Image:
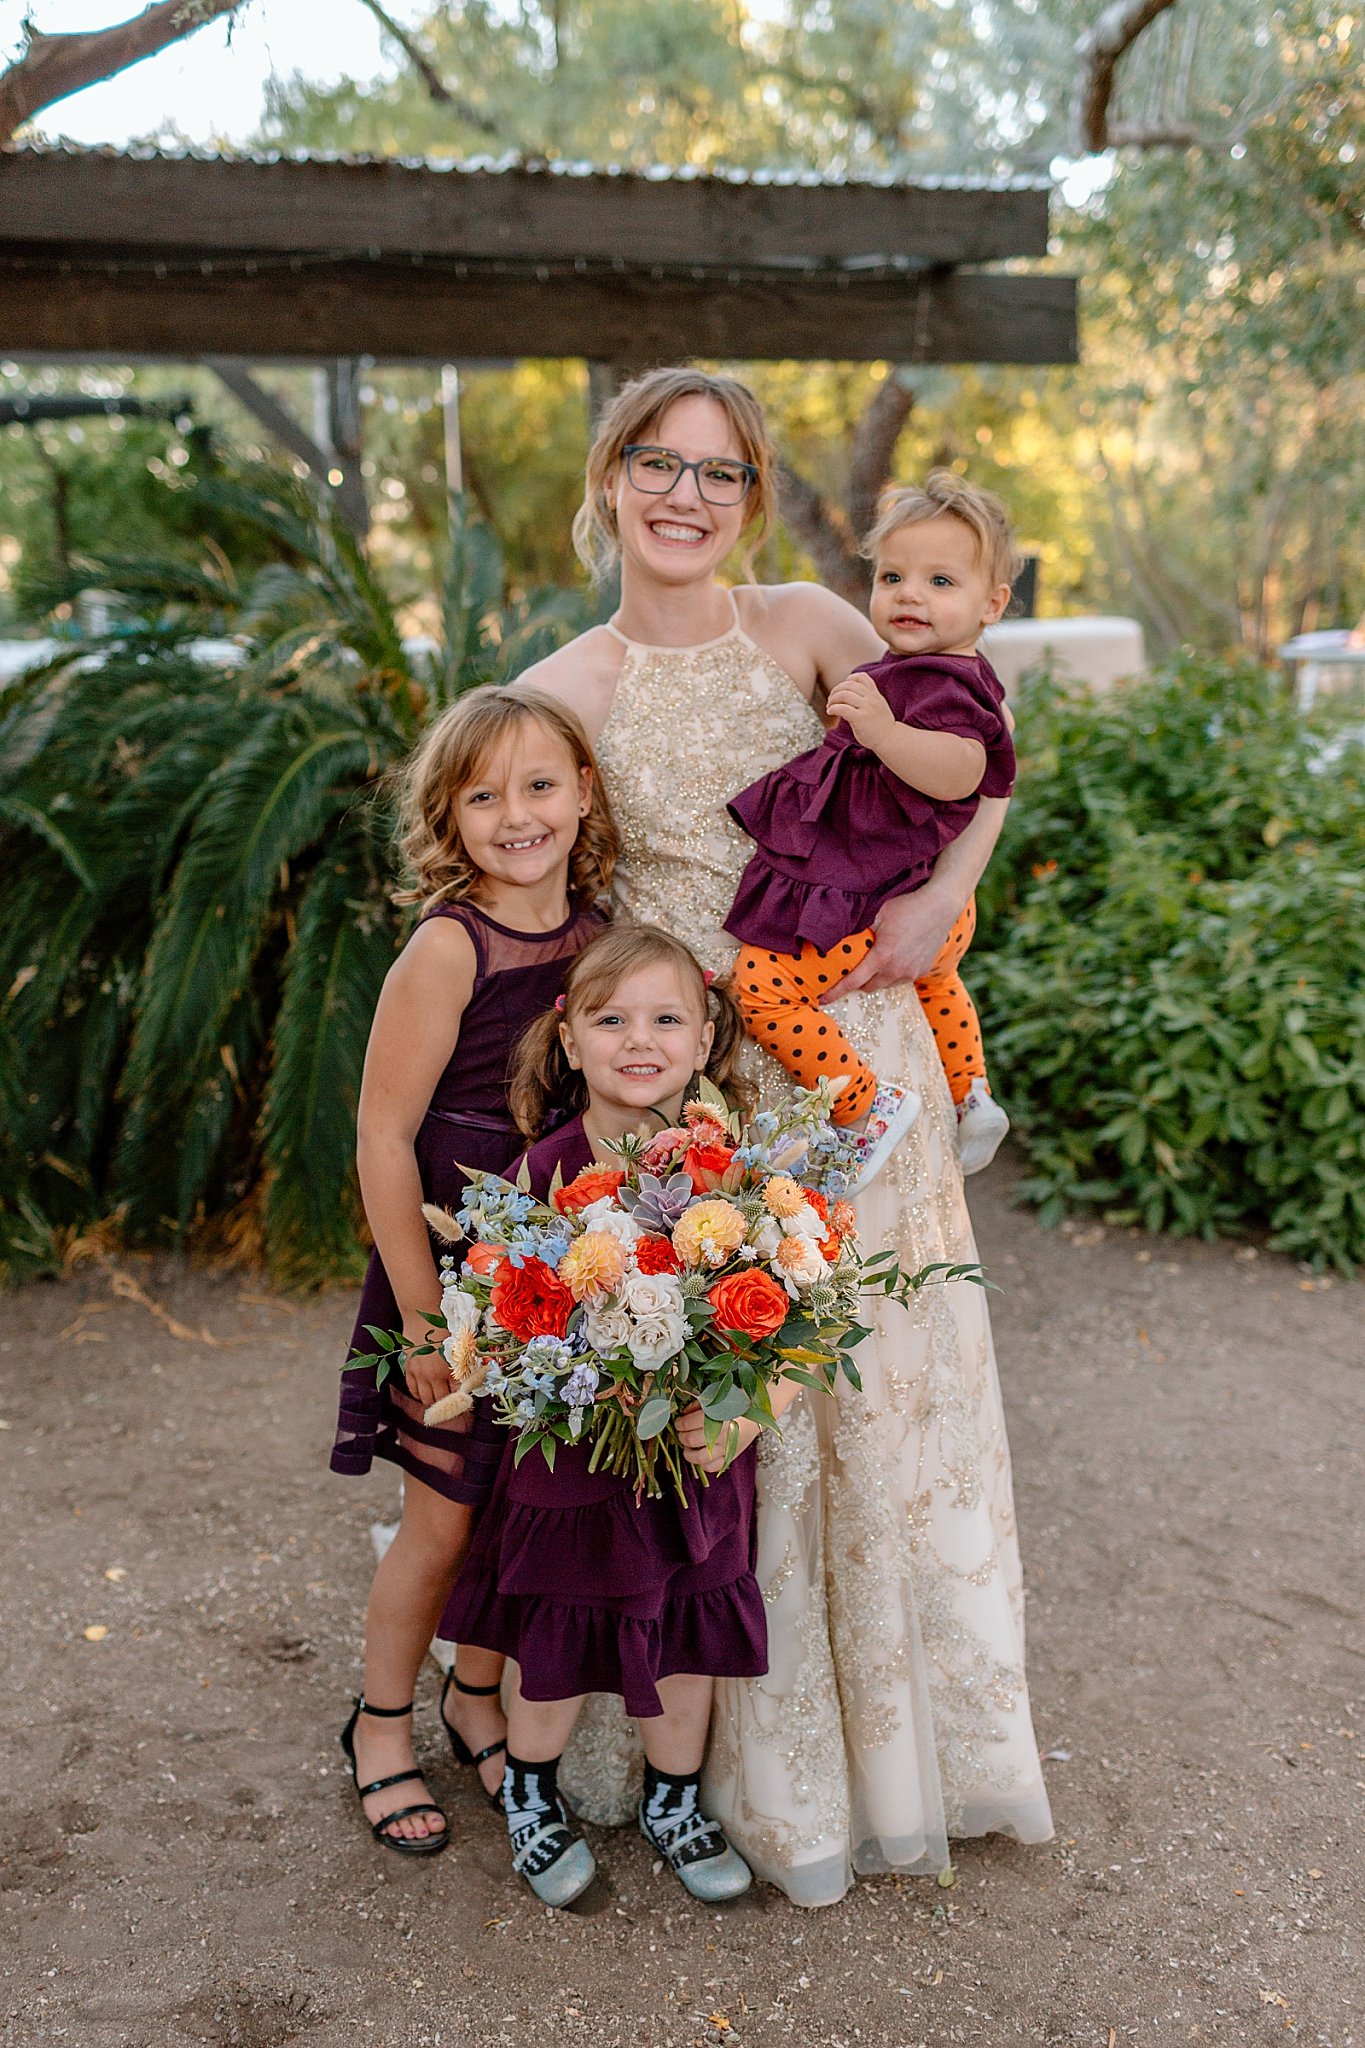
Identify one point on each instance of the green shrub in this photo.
(199, 918)
(1172, 965)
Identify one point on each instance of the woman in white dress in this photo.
(895, 1712)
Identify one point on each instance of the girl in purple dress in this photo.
(511, 845)
(917, 740)
(589, 1588)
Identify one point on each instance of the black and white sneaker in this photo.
(695, 1849)
(547, 1849)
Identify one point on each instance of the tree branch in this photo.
(873, 453)
(422, 65)
(1097, 56)
(825, 534)
(429, 75)
(51, 68)
(1159, 135)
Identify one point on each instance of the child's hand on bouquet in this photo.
(734, 1437)
(425, 1371)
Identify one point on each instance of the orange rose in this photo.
(482, 1258)
(750, 1303)
(705, 1164)
(818, 1203)
(588, 1186)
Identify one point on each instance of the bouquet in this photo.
(708, 1262)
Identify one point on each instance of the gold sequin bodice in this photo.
(689, 728)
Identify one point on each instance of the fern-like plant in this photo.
(199, 863)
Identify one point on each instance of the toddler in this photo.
(919, 738)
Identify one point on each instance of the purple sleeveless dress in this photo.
(591, 1590)
(517, 977)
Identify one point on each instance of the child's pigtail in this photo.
(542, 1079)
(723, 1066)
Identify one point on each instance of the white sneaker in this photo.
(981, 1125)
(892, 1114)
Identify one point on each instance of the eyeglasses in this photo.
(719, 481)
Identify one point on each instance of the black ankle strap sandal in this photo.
(402, 1845)
(462, 1752)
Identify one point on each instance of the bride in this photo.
(895, 1712)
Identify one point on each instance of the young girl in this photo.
(588, 1588)
(511, 844)
(920, 737)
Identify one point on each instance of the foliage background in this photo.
(1171, 957)
(1204, 468)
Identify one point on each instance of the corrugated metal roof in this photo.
(547, 167)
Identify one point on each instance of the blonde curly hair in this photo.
(450, 755)
(942, 491)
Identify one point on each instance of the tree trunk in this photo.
(831, 533)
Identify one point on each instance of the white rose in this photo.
(460, 1310)
(651, 1294)
(805, 1223)
(657, 1338)
(767, 1237)
(603, 1214)
(607, 1329)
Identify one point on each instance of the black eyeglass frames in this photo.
(720, 481)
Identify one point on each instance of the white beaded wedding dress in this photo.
(895, 1713)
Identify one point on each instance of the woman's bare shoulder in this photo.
(594, 657)
(807, 627)
(802, 601)
(583, 675)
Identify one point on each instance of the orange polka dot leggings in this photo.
(779, 995)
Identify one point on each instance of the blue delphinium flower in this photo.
(581, 1385)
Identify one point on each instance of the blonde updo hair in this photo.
(450, 755)
(541, 1078)
(943, 491)
(631, 417)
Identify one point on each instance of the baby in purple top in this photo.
(919, 738)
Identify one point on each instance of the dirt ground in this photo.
(183, 1861)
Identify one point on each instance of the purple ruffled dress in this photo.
(838, 835)
(517, 977)
(591, 1590)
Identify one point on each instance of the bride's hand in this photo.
(911, 932)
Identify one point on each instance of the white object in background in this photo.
(1097, 651)
(1325, 664)
(17, 656)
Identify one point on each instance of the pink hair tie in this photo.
(559, 1004)
(707, 976)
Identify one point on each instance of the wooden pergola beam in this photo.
(154, 203)
(98, 307)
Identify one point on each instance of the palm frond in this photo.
(343, 948)
(28, 817)
(197, 925)
(270, 802)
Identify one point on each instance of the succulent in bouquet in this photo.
(706, 1263)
